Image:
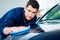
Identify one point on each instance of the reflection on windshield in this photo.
(55, 15)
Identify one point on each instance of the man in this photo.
(19, 18)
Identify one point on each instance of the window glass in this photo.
(53, 14)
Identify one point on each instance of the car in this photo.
(51, 35)
(50, 23)
(51, 20)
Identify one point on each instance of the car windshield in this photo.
(54, 13)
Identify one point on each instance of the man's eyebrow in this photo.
(34, 12)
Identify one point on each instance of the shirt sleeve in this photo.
(7, 20)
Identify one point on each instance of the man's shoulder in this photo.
(18, 8)
(14, 11)
(18, 11)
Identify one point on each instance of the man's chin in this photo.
(28, 19)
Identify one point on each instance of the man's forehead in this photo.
(31, 8)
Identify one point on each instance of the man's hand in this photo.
(7, 30)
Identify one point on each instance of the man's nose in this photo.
(30, 14)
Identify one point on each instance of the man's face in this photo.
(30, 12)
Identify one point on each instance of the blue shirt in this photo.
(15, 17)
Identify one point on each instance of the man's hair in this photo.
(32, 0)
(33, 3)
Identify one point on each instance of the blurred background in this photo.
(6, 5)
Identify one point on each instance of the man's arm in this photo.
(7, 30)
(7, 21)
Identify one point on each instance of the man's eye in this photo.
(34, 12)
(29, 10)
